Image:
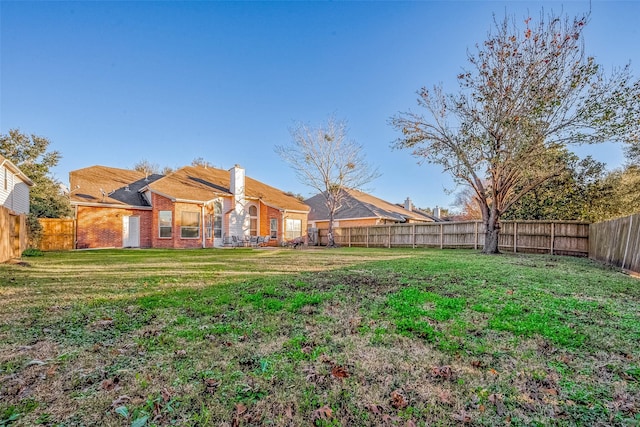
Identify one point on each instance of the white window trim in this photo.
(160, 227)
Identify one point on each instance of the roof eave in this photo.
(110, 205)
(17, 171)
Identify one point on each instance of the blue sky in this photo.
(113, 83)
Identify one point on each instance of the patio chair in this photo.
(235, 241)
(253, 241)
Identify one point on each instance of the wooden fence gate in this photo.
(13, 234)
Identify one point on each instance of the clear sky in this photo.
(113, 83)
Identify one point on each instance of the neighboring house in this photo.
(14, 207)
(362, 209)
(14, 187)
(190, 208)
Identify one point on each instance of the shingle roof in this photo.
(106, 185)
(195, 183)
(198, 183)
(357, 204)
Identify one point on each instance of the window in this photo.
(294, 228)
(165, 221)
(217, 219)
(253, 220)
(208, 225)
(190, 225)
(274, 228)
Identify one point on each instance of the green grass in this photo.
(317, 337)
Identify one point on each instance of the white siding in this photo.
(21, 197)
(16, 196)
(4, 194)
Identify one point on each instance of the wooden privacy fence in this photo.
(13, 234)
(617, 242)
(554, 237)
(58, 234)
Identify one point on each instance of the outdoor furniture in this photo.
(253, 241)
(227, 241)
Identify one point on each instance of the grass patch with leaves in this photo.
(321, 337)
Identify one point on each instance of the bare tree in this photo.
(324, 159)
(200, 161)
(146, 167)
(529, 93)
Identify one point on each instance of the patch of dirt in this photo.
(18, 262)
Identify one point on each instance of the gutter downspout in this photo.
(282, 235)
(204, 243)
(75, 227)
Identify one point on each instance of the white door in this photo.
(131, 231)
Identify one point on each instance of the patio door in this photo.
(130, 231)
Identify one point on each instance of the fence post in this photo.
(475, 244)
(626, 248)
(553, 237)
(389, 237)
(413, 236)
(441, 236)
(367, 239)
(349, 236)
(515, 237)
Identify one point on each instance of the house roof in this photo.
(422, 214)
(109, 186)
(16, 170)
(357, 204)
(198, 183)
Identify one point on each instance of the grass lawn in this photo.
(317, 337)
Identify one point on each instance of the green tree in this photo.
(625, 183)
(528, 94)
(581, 192)
(30, 153)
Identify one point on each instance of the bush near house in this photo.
(320, 337)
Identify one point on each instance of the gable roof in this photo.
(419, 213)
(357, 204)
(197, 183)
(16, 170)
(109, 186)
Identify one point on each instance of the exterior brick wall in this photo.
(101, 227)
(161, 203)
(268, 213)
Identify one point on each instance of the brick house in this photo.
(193, 207)
(360, 209)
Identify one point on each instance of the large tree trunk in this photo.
(331, 241)
(491, 235)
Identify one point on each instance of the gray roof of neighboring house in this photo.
(422, 214)
(357, 204)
